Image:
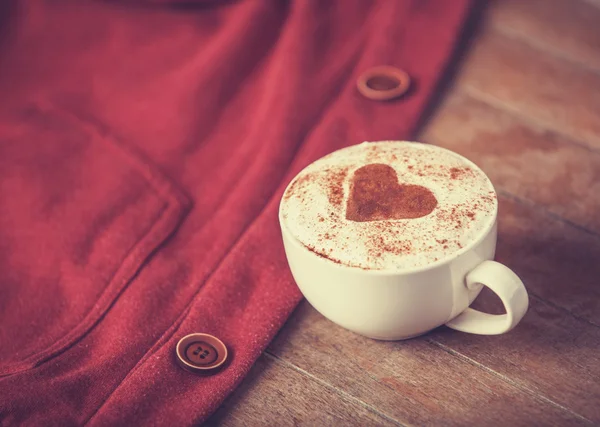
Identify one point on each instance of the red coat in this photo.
(143, 151)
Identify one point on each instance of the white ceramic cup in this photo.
(395, 305)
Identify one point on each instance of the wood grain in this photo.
(414, 381)
(521, 158)
(557, 262)
(275, 394)
(595, 3)
(568, 29)
(549, 353)
(547, 90)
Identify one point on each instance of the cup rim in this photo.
(395, 271)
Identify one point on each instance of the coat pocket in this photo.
(79, 215)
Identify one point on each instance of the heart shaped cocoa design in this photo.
(376, 194)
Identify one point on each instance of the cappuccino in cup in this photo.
(402, 228)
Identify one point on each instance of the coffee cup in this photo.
(392, 260)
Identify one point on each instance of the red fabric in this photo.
(143, 151)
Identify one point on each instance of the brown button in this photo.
(201, 353)
(383, 83)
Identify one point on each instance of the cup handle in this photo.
(504, 283)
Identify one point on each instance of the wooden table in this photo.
(524, 104)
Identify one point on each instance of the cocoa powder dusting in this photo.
(375, 194)
(457, 173)
(335, 186)
(456, 216)
(378, 245)
(290, 192)
(322, 255)
(372, 153)
(489, 198)
(297, 185)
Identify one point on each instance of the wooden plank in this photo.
(276, 394)
(568, 29)
(539, 87)
(557, 262)
(520, 158)
(595, 3)
(414, 381)
(549, 352)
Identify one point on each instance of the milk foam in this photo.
(313, 207)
